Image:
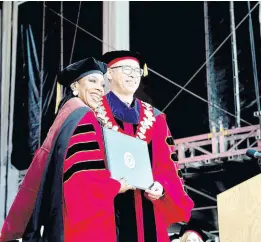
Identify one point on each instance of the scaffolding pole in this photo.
(253, 54)
(59, 87)
(207, 63)
(235, 65)
(41, 77)
(62, 46)
(8, 173)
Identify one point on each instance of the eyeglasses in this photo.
(128, 70)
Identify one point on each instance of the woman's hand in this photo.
(124, 186)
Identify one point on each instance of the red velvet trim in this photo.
(120, 59)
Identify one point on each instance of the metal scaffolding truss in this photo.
(8, 174)
(218, 146)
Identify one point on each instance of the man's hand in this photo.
(124, 186)
(155, 192)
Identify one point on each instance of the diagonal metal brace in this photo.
(201, 193)
(204, 208)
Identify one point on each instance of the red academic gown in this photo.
(89, 191)
(137, 218)
(24, 202)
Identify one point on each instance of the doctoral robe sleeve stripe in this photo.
(84, 166)
(170, 141)
(83, 129)
(174, 157)
(78, 147)
(179, 173)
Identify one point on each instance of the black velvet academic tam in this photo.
(80, 69)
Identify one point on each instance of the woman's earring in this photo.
(75, 93)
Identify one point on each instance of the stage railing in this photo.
(218, 146)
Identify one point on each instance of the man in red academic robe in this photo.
(143, 216)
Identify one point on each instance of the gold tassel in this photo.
(145, 70)
(58, 96)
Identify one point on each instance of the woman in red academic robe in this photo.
(67, 189)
